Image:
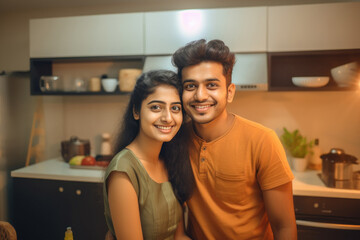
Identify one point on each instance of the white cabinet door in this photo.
(242, 29)
(97, 35)
(314, 27)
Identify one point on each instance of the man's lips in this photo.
(202, 107)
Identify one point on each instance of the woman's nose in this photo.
(166, 116)
(201, 94)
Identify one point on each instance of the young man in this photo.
(243, 181)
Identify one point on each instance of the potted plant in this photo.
(298, 147)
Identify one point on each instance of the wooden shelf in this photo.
(282, 66)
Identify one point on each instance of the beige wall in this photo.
(316, 114)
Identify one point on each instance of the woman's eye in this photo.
(176, 108)
(155, 107)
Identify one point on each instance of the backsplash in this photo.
(333, 117)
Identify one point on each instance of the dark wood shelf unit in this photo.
(44, 67)
(282, 66)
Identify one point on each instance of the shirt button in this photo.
(202, 159)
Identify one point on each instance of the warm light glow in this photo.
(190, 21)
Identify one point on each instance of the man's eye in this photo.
(212, 85)
(176, 108)
(189, 86)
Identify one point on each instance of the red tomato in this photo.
(88, 161)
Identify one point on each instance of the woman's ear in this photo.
(135, 114)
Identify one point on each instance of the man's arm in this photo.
(280, 209)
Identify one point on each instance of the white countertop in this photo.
(308, 183)
(58, 169)
(305, 183)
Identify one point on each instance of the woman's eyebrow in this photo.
(161, 102)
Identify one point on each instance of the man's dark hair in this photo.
(199, 51)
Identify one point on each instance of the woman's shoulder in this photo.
(123, 160)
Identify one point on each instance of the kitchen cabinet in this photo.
(97, 35)
(70, 68)
(242, 29)
(314, 27)
(282, 66)
(43, 209)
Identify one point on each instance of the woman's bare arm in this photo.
(124, 207)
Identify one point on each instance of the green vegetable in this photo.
(296, 144)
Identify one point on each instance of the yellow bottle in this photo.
(68, 234)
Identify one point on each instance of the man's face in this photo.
(205, 93)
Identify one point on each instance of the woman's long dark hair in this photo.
(174, 153)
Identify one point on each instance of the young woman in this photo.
(150, 177)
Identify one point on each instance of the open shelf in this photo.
(68, 68)
(282, 66)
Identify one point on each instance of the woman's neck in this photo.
(146, 149)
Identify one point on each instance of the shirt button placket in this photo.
(202, 159)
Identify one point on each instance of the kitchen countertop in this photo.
(308, 183)
(58, 169)
(305, 183)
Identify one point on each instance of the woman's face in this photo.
(160, 114)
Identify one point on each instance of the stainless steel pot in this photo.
(73, 147)
(337, 165)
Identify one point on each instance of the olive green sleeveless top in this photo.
(160, 212)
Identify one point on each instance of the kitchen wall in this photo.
(333, 117)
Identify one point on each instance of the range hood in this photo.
(249, 73)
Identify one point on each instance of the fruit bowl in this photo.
(310, 81)
(346, 75)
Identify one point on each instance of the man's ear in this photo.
(135, 114)
(231, 92)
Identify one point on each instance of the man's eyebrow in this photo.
(207, 80)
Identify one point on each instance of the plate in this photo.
(310, 81)
(87, 167)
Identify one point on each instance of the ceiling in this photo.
(35, 5)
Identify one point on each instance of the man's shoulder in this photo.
(244, 124)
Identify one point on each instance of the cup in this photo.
(95, 85)
(80, 85)
(49, 83)
(109, 84)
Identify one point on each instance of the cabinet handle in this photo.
(61, 189)
(328, 225)
(78, 192)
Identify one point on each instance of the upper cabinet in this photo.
(314, 27)
(242, 29)
(97, 35)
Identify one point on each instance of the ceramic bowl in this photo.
(346, 75)
(109, 84)
(310, 81)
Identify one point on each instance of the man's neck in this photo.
(216, 128)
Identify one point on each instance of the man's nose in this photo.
(201, 94)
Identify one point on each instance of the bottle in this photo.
(105, 145)
(315, 160)
(68, 234)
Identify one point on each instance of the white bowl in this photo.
(346, 75)
(310, 81)
(109, 84)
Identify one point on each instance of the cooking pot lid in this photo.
(339, 155)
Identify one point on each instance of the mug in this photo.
(49, 83)
(109, 84)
